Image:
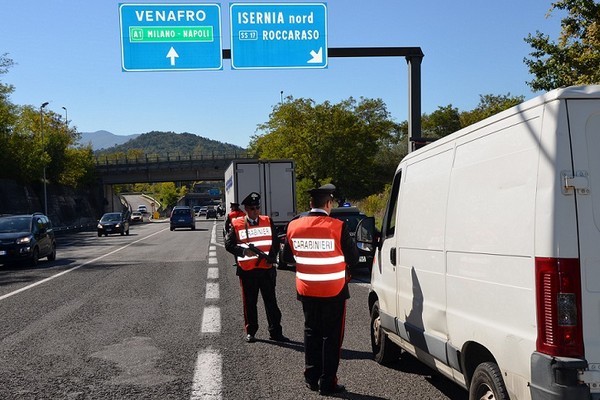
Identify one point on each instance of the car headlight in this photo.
(117, 225)
(100, 226)
(24, 240)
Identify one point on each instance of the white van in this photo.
(488, 266)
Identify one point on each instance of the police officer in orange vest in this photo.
(233, 214)
(323, 250)
(254, 242)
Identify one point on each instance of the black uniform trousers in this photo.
(324, 323)
(252, 282)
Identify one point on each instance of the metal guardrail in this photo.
(63, 230)
(168, 157)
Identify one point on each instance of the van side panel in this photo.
(584, 121)
(421, 266)
(556, 219)
(490, 242)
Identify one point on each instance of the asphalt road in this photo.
(157, 315)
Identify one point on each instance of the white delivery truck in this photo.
(275, 180)
(488, 265)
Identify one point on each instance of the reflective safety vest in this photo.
(236, 213)
(259, 235)
(316, 244)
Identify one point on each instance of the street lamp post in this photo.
(66, 117)
(43, 160)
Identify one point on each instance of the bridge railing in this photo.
(116, 159)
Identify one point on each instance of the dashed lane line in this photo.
(208, 375)
(211, 319)
(212, 291)
(213, 273)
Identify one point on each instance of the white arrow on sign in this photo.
(317, 57)
(172, 54)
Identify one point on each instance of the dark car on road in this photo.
(113, 222)
(182, 217)
(26, 238)
(352, 216)
(211, 212)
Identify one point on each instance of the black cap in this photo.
(253, 199)
(324, 190)
(234, 204)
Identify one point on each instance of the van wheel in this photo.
(487, 383)
(385, 351)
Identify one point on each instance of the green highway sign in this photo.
(278, 35)
(176, 34)
(170, 37)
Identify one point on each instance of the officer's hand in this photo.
(249, 253)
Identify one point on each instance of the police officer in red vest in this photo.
(233, 214)
(254, 242)
(323, 250)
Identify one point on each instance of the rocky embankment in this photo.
(67, 208)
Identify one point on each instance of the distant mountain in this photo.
(103, 139)
(173, 143)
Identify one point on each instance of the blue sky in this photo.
(68, 52)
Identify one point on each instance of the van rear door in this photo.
(584, 128)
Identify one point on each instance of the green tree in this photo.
(328, 142)
(8, 119)
(79, 167)
(575, 58)
(38, 143)
(168, 194)
(488, 105)
(27, 157)
(441, 122)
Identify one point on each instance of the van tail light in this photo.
(558, 295)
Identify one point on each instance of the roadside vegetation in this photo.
(32, 138)
(354, 144)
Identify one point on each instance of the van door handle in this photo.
(393, 256)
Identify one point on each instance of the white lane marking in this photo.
(212, 250)
(213, 234)
(211, 320)
(212, 290)
(208, 376)
(212, 273)
(77, 267)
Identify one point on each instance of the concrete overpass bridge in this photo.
(170, 167)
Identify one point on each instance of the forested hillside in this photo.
(173, 143)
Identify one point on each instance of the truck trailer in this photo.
(275, 180)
